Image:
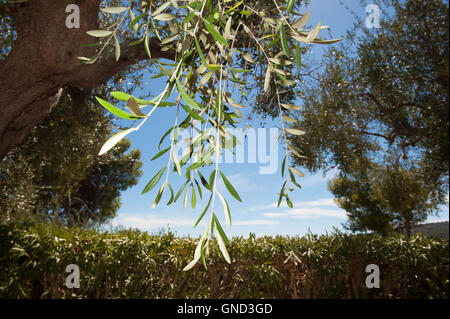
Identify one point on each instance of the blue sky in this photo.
(314, 209)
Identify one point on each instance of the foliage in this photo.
(382, 199)
(55, 174)
(131, 264)
(219, 47)
(382, 101)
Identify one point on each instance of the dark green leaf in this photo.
(230, 187)
(154, 180)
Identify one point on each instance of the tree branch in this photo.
(94, 75)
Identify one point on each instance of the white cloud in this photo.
(323, 207)
(256, 222)
(145, 222)
(317, 203)
(435, 220)
(307, 213)
(153, 222)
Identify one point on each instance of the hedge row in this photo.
(133, 264)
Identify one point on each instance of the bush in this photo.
(133, 264)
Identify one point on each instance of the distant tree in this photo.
(215, 48)
(383, 199)
(56, 174)
(383, 95)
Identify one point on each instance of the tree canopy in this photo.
(379, 103)
(56, 175)
(215, 49)
(383, 198)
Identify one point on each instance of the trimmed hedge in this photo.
(133, 264)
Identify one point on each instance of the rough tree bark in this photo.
(43, 60)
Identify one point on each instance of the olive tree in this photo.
(213, 48)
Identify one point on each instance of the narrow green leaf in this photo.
(223, 247)
(114, 10)
(204, 182)
(117, 47)
(214, 32)
(155, 179)
(164, 136)
(220, 229)
(171, 196)
(160, 9)
(289, 6)
(99, 33)
(185, 197)
(281, 194)
(176, 162)
(302, 21)
(219, 109)
(197, 253)
(205, 79)
(234, 7)
(314, 33)
(160, 153)
(134, 21)
(287, 82)
(267, 78)
(291, 107)
(272, 43)
(199, 189)
(113, 140)
(248, 57)
(187, 98)
(164, 17)
(300, 174)
(288, 119)
(295, 132)
(298, 56)
(318, 41)
(160, 193)
(169, 39)
(280, 61)
(226, 209)
(240, 70)
(155, 29)
(193, 197)
(192, 113)
(180, 191)
(200, 53)
(211, 179)
(230, 187)
(203, 212)
(284, 43)
(116, 111)
(293, 150)
(147, 45)
(227, 33)
(288, 201)
(125, 97)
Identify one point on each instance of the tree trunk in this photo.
(43, 60)
(408, 228)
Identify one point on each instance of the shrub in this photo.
(134, 264)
